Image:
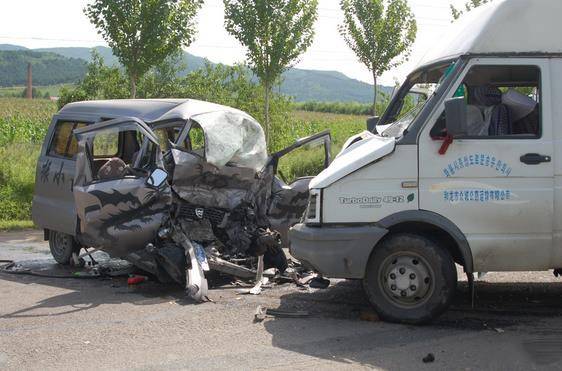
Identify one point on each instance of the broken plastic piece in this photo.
(201, 257)
(262, 312)
(196, 284)
(305, 280)
(271, 272)
(256, 290)
(319, 283)
(136, 279)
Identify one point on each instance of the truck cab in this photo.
(471, 175)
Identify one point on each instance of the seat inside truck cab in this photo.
(502, 101)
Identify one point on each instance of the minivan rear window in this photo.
(64, 144)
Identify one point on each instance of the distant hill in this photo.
(326, 86)
(12, 47)
(303, 85)
(48, 68)
(191, 61)
(83, 53)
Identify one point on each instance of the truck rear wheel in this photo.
(62, 246)
(410, 279)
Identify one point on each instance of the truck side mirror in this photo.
(455, 117)
(372, 123)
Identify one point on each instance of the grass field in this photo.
(23, 125)
(16, 91)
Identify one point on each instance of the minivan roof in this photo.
(148, 110)
(503, 27)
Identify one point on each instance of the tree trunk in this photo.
(133, 85)
(267, 128)
(375, 94)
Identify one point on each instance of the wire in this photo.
(28, 272)
(47, 39)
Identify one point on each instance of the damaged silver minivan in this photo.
(176, 187)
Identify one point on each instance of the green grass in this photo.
(17, 180)
(16, 91)
(15, 225)
(310, 161)
(23, 125)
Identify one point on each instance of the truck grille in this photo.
(188, 211)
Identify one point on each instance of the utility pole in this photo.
(29, 82)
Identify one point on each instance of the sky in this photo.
(55, 23)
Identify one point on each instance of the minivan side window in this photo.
(503, 101)
(64, 144)
(106, 145)
(197, 139)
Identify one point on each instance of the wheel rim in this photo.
(61, 245)
(406, 279)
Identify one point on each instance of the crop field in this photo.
(17, 91)
(23, 125)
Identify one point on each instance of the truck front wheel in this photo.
(62, 246)
(410, 279)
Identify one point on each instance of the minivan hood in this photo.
(367, 148)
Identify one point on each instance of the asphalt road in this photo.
(48, 323)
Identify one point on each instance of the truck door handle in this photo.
(534, 159)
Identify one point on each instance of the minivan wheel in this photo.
(410, 279)
(62, 246)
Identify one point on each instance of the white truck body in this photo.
(493, 201)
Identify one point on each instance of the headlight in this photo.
(312, 214)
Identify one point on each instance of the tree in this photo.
(380, 38)
(456, 13)
(275, 33)
(143, 33)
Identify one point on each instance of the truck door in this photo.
(120, 190)
(496, 183)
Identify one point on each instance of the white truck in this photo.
(472, 175)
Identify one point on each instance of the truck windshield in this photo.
(418, 89)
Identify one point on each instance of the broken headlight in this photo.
(312, 214)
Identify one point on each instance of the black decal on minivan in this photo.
(59, 175)
(45, 169)
(115, 198)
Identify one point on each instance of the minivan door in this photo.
(121, 191)
(54, 178)
(289, 194)
(496, 183)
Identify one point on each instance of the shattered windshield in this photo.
(413, 96)
(233, 138)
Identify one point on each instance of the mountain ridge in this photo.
(302, 84)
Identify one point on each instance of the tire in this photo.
(410, 279)
(62, 246)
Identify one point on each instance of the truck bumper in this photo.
(337, 252)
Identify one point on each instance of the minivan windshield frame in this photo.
(390, 124)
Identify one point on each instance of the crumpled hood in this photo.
(367, 148)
